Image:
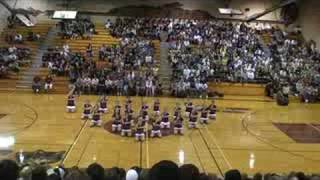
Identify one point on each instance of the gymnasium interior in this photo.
(159, 90)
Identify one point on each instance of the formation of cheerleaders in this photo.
(89, 111)
(127, 125)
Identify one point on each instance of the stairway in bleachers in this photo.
(165, 71)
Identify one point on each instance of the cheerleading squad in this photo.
(128, 125)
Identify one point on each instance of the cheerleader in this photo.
(212, 111)
(193, 119)
(189, 108)
(144, 112)
(116, 122)
(129, 114)
(140, 131)
(156, 107)
(87, 110)
(165, 123)
(155, 131)
(117, 108)
(204, 116)
(71, 104)
(103, 104)
(126, 127)
(178, 125)
(96, 119)
(177, 111)
(128, 102)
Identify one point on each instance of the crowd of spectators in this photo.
(131, 69)
(203, 50)
(296, 64)
(75, 29)
(12, 57)
(10, 170)
(18, 38)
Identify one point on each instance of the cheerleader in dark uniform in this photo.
(103, 104)
(116, 122)
(156, 129)
(156, 107)
(212, 111)
(189, 108)
(177, 111)
(193, 118)
(87, 110)
(165, 123)
(144, 112)
(71, 103)
(178, 125)
(128, 102)
(140, 131)
(129, 113)
(204, 116)
(117, 108)
(96, 119)
(126, 127)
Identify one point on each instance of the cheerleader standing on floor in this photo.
(116, 122)
(193, 119)
(189, 108)
(156, 107)
(140, 131)
(178, 125)
(87, 110)
(165, 123)
(156, 129)
(212, 111)
(103, 108)
(71, 104)
(96, 119)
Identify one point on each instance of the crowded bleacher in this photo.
(11, 58)
(229, 51)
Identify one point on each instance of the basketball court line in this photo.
(267, 142)
(218, 147)
(68, 152)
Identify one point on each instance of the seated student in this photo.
(71, 103)
(156, 107)
(96, 119)
(36, 84)
(103, 104)
(89, 50)
(140, 131)
(189, 108)
(165, 123)
(155, 131)
(48, 83)
(178, 125)
(204, 116)
(126, 127)
(116, 122)
(193, 119)
(86, 110)
(212, 110)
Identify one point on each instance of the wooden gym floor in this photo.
(261, 137)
